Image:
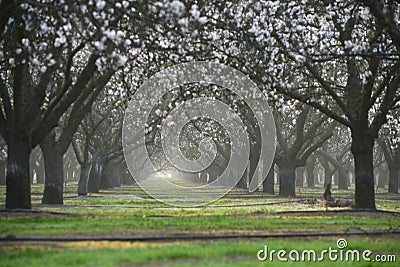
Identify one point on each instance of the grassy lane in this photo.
(196, 254)
(112, 224)
(128, 212)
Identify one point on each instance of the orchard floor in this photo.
(124, 227)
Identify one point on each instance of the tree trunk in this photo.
(106, 178)
(383, 175)
(18, 190)
(2, 172)
(310, 175)
(268, 183)
(394, 178)
(53, 169)
(343, 179)
(95, 175)
(328, 172)
(287, 178)
(253, 160)
(362, 150)
(83, 180)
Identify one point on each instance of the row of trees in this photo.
(323, 61)
(306, 143)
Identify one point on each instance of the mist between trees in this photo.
(329, 69)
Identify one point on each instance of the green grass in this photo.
(194, 254)
(269, 224)
(119, 214)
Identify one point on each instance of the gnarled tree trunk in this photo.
(83, 179)
(362, 150)
(287, 178)
(310, 178)
(18, 191)
(95, 175)
(54, 170)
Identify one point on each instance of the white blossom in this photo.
(177, 7)
(203, 20)
(122, 60)
(128, 42)
(100, 5)
(43, 27)
(25, 42)
(59, 41)
(99, 45)
(194, 11)
(300, 58)
(110, 34)
(348, 44)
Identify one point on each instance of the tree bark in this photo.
(83, 180)
(18, 190)
(394, 178)
(310, 173)
(95, 175)
(362, 150)
(287, 178)
(54, 170)
(268, 183)
(2, 172)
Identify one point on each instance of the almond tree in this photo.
(55, 57)
(41, 79)
(332, 55)
(299, 134)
